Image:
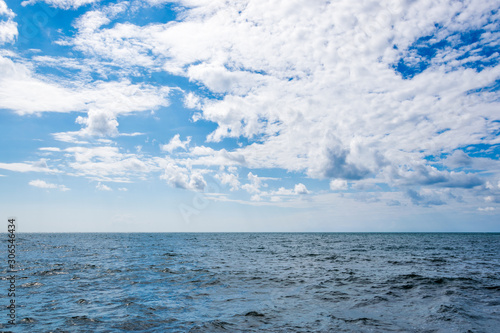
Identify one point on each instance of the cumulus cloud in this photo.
(422, 174)
(334, 164)
(460, 160)
(8, 28)
(254, 184)
(182, 177)
(338, 185)
(387, 92)
(103, 102)
(300, 189)
(229, 179)
(102, 187)
(424, 198)
(99, 123)
(332, 88)
(8, 31)
(176, 143)
(108, 164)
(4, 10)
(192, 101)
(256, 197)
(42, 184)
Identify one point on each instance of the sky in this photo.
(246, 115)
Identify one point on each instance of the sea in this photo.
(255, 282)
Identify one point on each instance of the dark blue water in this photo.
(251, 282)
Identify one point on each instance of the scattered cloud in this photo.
(62, 4)
(102, 187)
(192, 101)
(39, 166)
(338, 185)
(256, 197)
(254, 185)
(8, 27)
(230, 179)
(102, 102)
(42, 184)
(52, 149)
(176, 143)
(366, 97)
(104, 163)
(300, 189)
(424, 198)
(182, 177)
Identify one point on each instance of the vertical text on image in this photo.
(11, 263)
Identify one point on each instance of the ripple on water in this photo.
(260, 283)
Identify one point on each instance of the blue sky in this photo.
(203, 115)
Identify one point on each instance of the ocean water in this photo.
(257, 282)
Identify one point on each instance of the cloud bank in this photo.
(400, 95)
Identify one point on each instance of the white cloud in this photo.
(276, 199)
(176, 143)
(197, 182)
(52, 149)
(132, 134)
(108, 164)
(45, 96)
(63, 4)
(39, 166)
(5, 11)
(157, 2)
(23, 93)
(8, 31)
(70, 137)
(256, 197)
(300, 189)
(313, 86)
(229, 179)
(42, 184)
(192, 101)
(489, 186)
(99, 123)
(339, 107)
(103, 102)
(486, 209)
(310, 97)
(102, 187)
(338, 185)
(181, 177)
(123, 189)
(8, 28)
(254, 185)
(425, 198)
(92, 20)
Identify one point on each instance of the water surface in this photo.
(258, 282)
